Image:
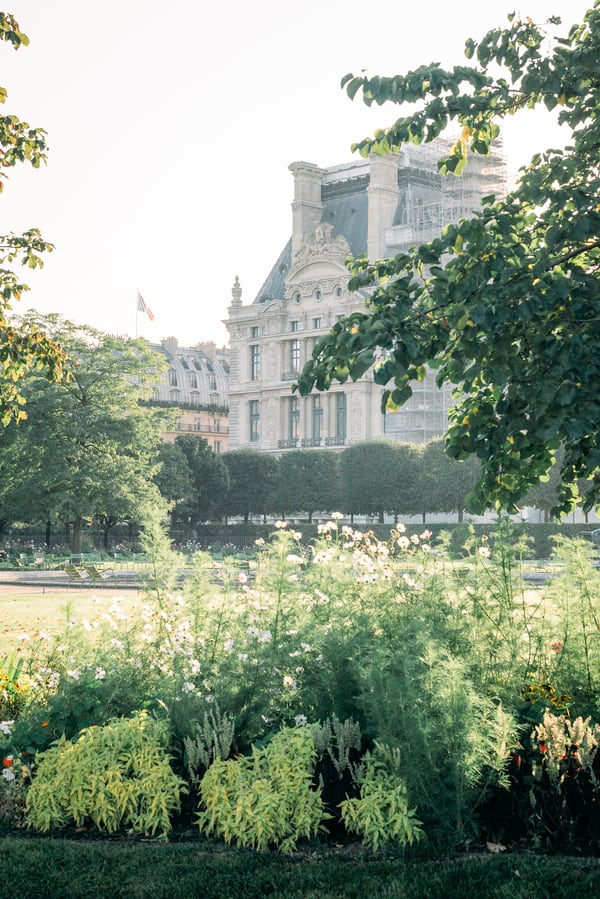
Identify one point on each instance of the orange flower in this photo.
(7, 761)
(44, 724)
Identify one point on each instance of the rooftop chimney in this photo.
(306, 206)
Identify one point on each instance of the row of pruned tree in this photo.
(372, 478)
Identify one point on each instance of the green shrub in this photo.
(115, 776)
(266, 799)
(381, 814)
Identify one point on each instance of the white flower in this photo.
(228, 645)
(100, 674)
(6, 727)
(74, 674)
(8, 774)
(484, 551)
(194, 666)
(243, 656)
(265, 637)
(188, 687)
(289, 682)
(280, 524)
(337, 516)
(300, 720)
(117, 644)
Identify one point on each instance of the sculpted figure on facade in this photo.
(321, 243)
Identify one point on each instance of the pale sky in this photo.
(171, 127)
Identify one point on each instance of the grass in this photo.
(63, 869)
(47, 610)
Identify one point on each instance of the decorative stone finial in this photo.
(236, 293)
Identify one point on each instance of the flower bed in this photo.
(420, 684)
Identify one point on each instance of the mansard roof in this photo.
(197, 376)
(426, 201)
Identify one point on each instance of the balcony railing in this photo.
(335, 441)
(200, 429)
(291, 443)
(289, 375)
(311, 441)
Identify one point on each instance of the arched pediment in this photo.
(321, 256)
(316, 269)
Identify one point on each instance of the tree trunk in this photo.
(48, 532)
(461, 515)
(76, 542)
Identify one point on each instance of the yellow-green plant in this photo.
(264, 799)
(115, 776)
(381, 814)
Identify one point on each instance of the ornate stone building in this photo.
(197, 385)
(377, 206)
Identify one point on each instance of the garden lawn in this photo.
(62, 869)
(47, 610)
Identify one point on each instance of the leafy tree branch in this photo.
(504, 305)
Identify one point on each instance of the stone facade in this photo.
(377, 206)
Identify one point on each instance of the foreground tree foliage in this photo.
(22, 347)
(88, 447)
(505, 304)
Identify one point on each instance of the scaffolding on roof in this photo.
(431, 201)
